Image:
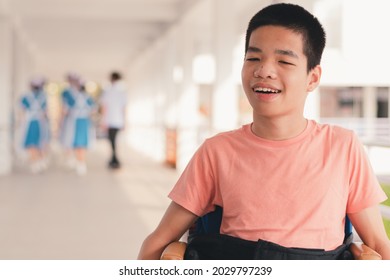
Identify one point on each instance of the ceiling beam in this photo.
(99, 9)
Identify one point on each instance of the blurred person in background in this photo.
(66, 124)
(81, 130)
(35, 124)
(113, 104)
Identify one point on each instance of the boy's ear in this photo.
(314, 78)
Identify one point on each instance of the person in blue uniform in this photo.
(36, 125)
(83, 131)
(66, 124)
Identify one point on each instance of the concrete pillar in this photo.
(173, 77)
(22, 65)
(225, 108)
(388, 103)
(369, 102)
(187, 99)
(5, 94)
(369, 111)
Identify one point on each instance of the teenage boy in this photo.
(283, 181)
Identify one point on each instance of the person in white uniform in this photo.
(113, 103)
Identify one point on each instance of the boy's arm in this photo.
(173, 225)
(369, 226)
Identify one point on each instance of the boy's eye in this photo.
(252, 59)
(285, 62)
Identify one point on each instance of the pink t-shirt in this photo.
(293, 192)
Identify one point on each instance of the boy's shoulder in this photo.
(228, 137)
(336, 133)
(333, 128)
(237, 132)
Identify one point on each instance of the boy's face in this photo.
(274, 74)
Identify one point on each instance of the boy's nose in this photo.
(265, 70)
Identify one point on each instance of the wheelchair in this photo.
(210, 224)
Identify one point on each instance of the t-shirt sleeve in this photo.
(365, 190)
(196, 188)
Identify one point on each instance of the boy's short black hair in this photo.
(297, 19)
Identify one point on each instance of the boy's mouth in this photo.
(264, 90)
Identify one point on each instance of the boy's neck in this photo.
(279, 129)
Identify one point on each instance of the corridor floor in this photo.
(103, 215)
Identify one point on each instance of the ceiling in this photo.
(91, 37)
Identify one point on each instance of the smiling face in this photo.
(274, 75)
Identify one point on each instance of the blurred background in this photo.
(181, 63)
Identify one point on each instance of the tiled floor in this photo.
(101, 215)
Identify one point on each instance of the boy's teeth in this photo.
(259, 89)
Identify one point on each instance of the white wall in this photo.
(5, 93)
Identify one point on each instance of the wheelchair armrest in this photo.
(363, 252)
(174, 251)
